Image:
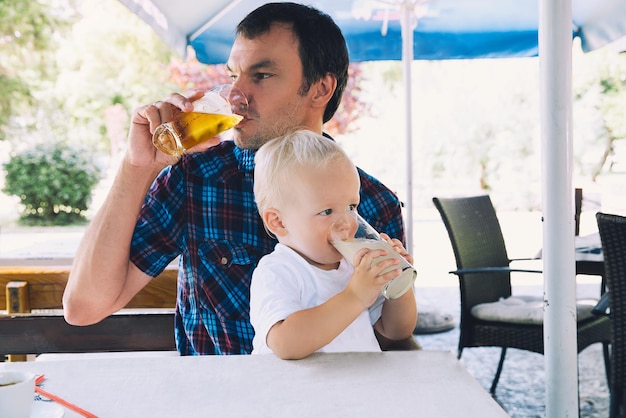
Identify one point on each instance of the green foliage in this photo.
(71, 60)
(53, 182)
(13, 91)
(28, 35)
(111, 57)
(599, 103)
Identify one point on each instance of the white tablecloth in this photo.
(389, 384)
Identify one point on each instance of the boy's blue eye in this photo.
(326, 212)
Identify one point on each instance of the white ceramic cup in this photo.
(353, 233)
(17, 390)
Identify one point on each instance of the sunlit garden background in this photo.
(72, 72)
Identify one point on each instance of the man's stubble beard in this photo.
(287, 121)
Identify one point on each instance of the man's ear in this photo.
(273, 222)
(323, 90)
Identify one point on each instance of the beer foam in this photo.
(212, 103)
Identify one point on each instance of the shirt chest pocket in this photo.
(225, 254)
(225, 272)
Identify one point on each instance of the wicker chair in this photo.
(612, 230)
(483, 268)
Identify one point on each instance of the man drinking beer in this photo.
(291, 62)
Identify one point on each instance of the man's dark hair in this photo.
(322, 47)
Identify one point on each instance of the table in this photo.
(590, 260)
(408, 383)
(589, 257)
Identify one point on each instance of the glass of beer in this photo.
(219, 110)
(352, 233)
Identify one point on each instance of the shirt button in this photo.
(224, 261)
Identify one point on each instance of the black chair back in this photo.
(612, 230)
(477, 241)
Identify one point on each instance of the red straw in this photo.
(61, 401)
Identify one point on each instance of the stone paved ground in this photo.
(521, 389)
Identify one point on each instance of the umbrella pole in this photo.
(408, 23)
(560, 344)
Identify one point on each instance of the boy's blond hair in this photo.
(277, 161)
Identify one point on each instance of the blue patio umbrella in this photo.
(455, 29)
(446, 29)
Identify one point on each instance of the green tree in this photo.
(65, 62)
(71, 72)
(111, 59)
(27, 40)
(600, 100)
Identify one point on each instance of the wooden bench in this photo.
(31, 316)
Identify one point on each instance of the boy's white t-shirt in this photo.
(284, 283)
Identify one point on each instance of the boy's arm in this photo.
(308, 330)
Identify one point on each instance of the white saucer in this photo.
(43, 409)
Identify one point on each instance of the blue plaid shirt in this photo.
(203, 209)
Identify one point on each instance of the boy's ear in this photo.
(273, 222)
